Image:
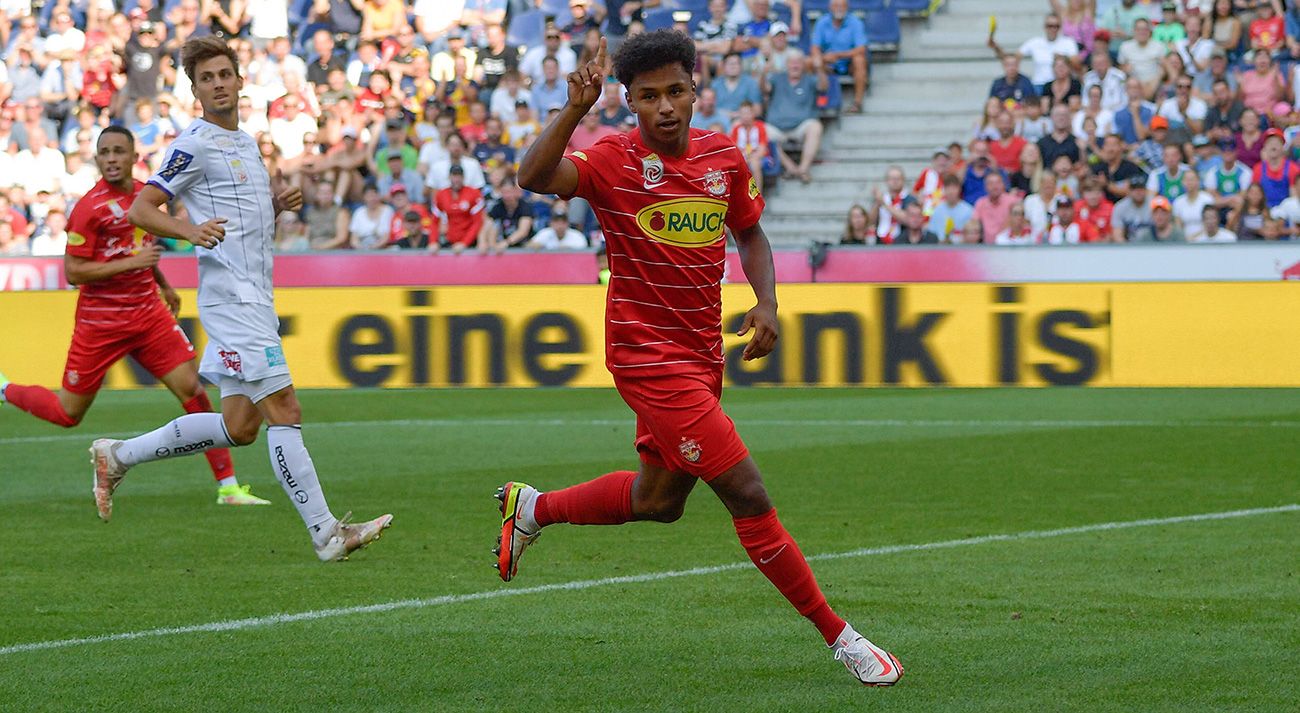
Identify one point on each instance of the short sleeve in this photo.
(745, 204)
(859, 32)
(83, 232)
(182, 168)
(598, 164)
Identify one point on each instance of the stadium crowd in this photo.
(1135, 122)
(401, 121)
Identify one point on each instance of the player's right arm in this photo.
(544, 168)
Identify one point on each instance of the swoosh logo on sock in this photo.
(765, 560)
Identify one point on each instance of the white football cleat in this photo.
(870, 664)
(109, 472)
(348, 538)
(516, 498)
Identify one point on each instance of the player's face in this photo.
(661, 100)
(114, 157)
(217, 85)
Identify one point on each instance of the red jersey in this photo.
(1099, 217)
(663, 219)
(98, 230)
(395, 229)
(1269, 34)
(462, 211)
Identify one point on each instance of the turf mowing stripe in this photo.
(782, 423)
(274, 619)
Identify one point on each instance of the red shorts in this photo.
(153, 338)
(680, 424)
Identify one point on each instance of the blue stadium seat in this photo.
(299, 10)
(527, 29)
(883, 31)
(911, 8)
(866, 7)
(783, 13)
(554, 7)
(817, 6)
(658, 19)
(302, 40)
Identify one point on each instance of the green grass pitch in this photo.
(1199, 615)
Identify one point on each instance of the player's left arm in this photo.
(756, 259)
(169, 295)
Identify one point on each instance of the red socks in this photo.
(218, 458)
(607, 500)
(777, 556)
(39, 402)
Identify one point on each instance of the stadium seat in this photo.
(783, 13)
(302, 40)
(912, 8)
(527, 29)
(883, 31)
(818, 6)
(298, 12)
(866, 7)
(658, 19)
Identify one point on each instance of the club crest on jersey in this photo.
(715, 182)
(652, 170)
(73, 378)
(684, 222)
(231, 360)
(690, 450)
(177, 162)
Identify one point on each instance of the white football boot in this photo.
(348, 537)
(109, 472)
(868, 663)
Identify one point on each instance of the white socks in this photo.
(297, 475)
(227, 481)
(847, 636)
(187, 435)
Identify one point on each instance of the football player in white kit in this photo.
(215, 170)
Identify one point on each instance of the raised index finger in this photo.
(602, 60)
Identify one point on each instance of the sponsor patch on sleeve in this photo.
(177, 162)
(579, 154)
(753, 188)
(76, 240)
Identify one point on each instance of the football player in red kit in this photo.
(119, 312)
(663, 194)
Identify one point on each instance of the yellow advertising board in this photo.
(1169, 334)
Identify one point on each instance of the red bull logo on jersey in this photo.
(684, 222)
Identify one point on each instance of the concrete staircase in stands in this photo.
(928, 96)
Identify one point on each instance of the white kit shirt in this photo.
(219, 174)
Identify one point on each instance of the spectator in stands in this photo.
(912, 229)
(443, 65)
(1067, 228)
(1140, 57)
(839, 43)
(1078, 22)
(1033, 126)
(397, 173)
(413, 235)
(951, 214)
(1064, 87)
(1114, 169)
(985, 128)
(1164, 229)
(1210, 231)
(857, 227)
(436, 19)
(1169, 179)
(1250, 140)
(383, 19)
(552, 46)
(471, 172)
(750, 135)
(1019, 231)
(1223, 118)
(1094, 208)
(1247, 219)
(393, 141)
(510, 219)
(732, 88)
(508, 94)
(1039, 202)
(1043, 50)
(1169, 31)
(288, 131)
(714, 37)
(1029, 170)
(792, 113)
(1288, 211)
(928, 187)
(458, 210)
(1119, 19)
(887, 204)
(1103, 121)
(479, 14)
(492, 152)
(1111, 79)
(1013, 86)
(589, 131)
(1275, 172)
(976, 170)
(11, 243)
(552, 92)
(1228, 179)
(524, 127)
(1184, 108)
(38, 167)
(327, 221)
(612, 111)
(496, 60)
(1133, 120)
(558, 235)
(399, 199)
(706, 115)
(1267, 30)
(1131, 221)
(1188, 205)
(1263, 85)
(1005, 149)
(775, 55)
(372, 222)
(52, 238)
(1203, 83)
(994, 209)
(1061, 141)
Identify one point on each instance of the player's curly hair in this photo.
(649, 51)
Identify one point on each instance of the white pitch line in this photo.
(275, 619)
(744, 422)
